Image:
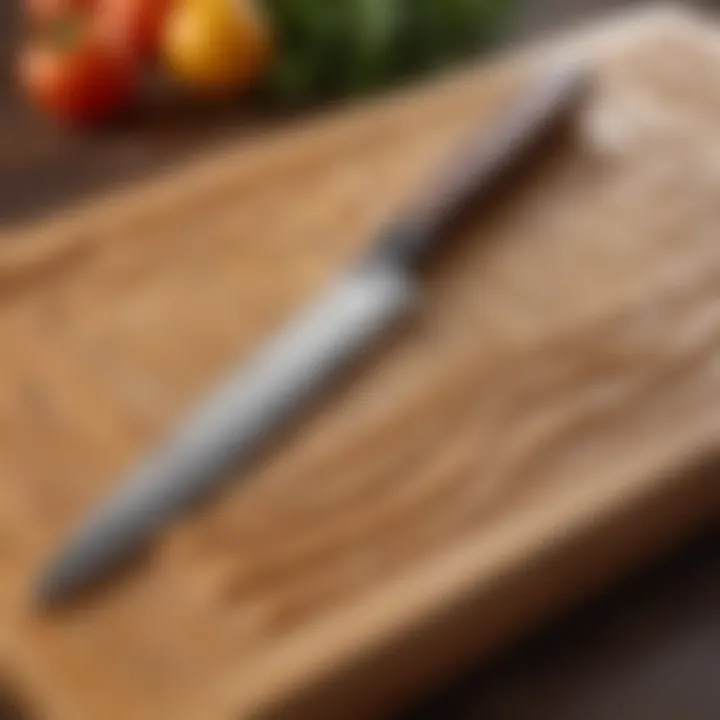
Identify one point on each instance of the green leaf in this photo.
(331, 48)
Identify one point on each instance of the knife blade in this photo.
(245, 411)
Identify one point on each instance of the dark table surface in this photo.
(649, 649)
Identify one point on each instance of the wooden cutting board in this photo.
(549, 419)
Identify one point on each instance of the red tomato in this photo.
(135, 26)
(74, 76)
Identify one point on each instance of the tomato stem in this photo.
(63, 33)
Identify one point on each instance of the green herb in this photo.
(332, 48)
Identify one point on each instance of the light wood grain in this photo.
(527, 438)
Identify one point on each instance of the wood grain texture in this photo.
(519, 444)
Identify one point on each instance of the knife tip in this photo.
(56, 584)
(85, 564)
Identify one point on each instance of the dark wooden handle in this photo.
(483, 164)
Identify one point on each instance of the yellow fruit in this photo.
(217, 45)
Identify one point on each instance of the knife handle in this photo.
(484, 164)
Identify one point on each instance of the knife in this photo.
(247, 409)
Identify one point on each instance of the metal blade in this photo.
(234, 423)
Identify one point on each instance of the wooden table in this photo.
(648, 649)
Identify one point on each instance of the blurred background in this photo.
(42, 167)
(649, 649)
